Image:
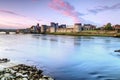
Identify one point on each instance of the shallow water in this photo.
(65, 57)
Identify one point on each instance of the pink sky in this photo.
(25, 13)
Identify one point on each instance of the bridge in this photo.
(7, 31)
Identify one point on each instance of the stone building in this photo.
(63, 28)
(54, 27)
(89, 27)
(117, 28)
(35, 29)
(77, 27)
(44, 28)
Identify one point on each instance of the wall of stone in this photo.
(61, 30)
(55, 28)
(68, 29)
(52, 29)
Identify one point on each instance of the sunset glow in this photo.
(25, 13)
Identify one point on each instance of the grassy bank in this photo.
(89, 33)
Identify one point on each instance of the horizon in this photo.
(25, 13)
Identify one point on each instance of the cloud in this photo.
(66, 9)
(104, 8)
(11, 12)
(9, 19)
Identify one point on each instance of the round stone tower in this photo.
(77, 27)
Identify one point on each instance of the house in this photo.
(117, 28)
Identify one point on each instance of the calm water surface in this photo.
(65, 57)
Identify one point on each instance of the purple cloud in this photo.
(11, 12)
(66, 9)
(105, 8)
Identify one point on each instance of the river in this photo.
(65, 57)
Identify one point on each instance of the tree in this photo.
(108, 26)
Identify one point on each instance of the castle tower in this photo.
(53, 27)
(38, 28)
(43, 28)
(77, 27)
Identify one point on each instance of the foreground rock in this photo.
(4, 60)
(22, 72)
(117, 50)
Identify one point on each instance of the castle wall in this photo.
(69, 29)
(75, 28)
(61, 30)
(44, 28)
(52, 29)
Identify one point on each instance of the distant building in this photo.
(35, 29)
(53, 27)
(89, 27)
(62, 26)
(77, 27)
(44, 28)
(117, 27)
(38, 28)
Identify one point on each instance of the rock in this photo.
(18, 74)
(47, 78)
(24, 79)
(50, 78)
(23, 72)
(3, 78)
(3, 60)
(25, 76)
(7, 75)
(117, 50)
(7, 70)
(12, 71)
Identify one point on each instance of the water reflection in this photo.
(53, 39)
(66, 57)
(37, 36)
(44, 38)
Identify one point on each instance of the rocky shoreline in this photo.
(22, 72)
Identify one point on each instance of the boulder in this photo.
(117, 50)
(3, 60)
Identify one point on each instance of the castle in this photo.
(55, 27)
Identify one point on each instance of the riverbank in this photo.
(14, 71)
(89, 33)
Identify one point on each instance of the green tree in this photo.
(108, 26)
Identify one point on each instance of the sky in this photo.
(25, 13)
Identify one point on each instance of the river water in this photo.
(65, 57)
